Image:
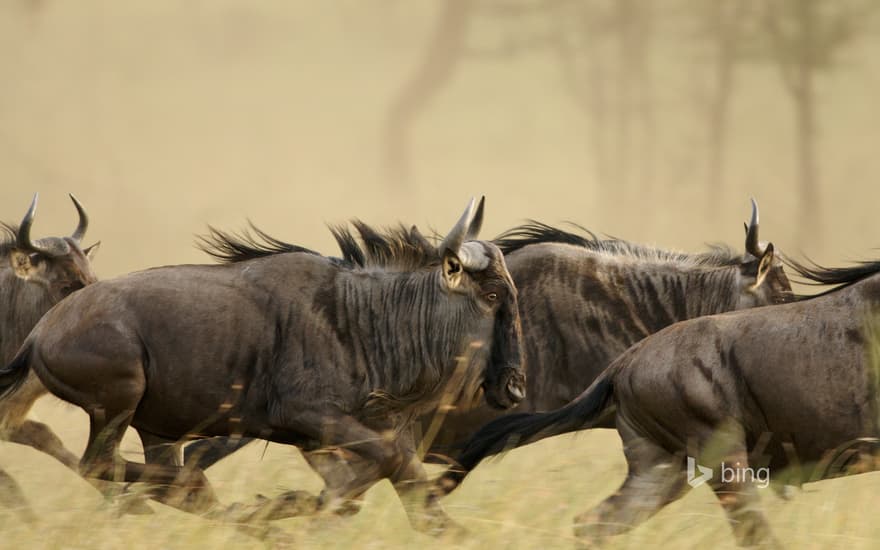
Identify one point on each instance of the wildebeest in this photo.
(583, 301)
(791, 387)
(286, 345)
(35, 275)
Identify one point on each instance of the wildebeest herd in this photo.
(706, 359)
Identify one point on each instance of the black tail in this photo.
(516, 430)
(13, 375)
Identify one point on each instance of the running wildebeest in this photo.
(317, 352)
(584, 301)
(791, 387)
(35, 275)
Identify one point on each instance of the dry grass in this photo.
(527, 499)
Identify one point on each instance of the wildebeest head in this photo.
(763, 278)
(475, 271)
(58, 264)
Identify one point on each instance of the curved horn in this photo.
(459, 231)
(24, 230)
(477, 223)
(83, 225)
(473, 257)
(752, 246)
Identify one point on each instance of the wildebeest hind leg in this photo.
(184, 488)
(655, 479)
(111, 408)
(738, 495)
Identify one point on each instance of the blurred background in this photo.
(650, 121)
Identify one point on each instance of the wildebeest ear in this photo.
(764, 265)
(92, 250)
(452, 269)
(22, 265)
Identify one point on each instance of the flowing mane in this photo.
(249, 244)
(396, 248)
(535, 232)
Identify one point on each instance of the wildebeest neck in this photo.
(636, 296)
(710, 291)
(406, 330)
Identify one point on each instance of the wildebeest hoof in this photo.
(343, 507)
(131, 504)
(785, 492)
(587, 529)
(347, 508)
(274, 536)
(289, 504)
(285, 505)
(452, 531)
(439, 525)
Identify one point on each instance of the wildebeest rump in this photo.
(584, 301)
(791, 387)
(35, 275)
(283, 344)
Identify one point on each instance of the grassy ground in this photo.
(527, 499)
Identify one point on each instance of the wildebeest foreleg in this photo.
(14, 427)
(158, 450)
(377, 456)
(415, 491)
(337, 467)
(207, 452)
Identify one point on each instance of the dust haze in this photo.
(164, 117)
(653, 122)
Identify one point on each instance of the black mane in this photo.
(395, 248)
(249, 244)
(535, 232)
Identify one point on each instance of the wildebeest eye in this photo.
(492, 296)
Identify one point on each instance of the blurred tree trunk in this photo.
(438, 64)
(604, 50)
(632, 170)
(792, 33)
(808, 165)
(725, 26)
(588, 88)
(805, 38)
